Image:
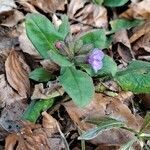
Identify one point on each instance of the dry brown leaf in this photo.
(11, 139)
(56, 21)
(7, 41)
(48, 6)
(7, 6)
(10, 116)
(77, 28)
(105, 106)
(17, 73)
(49, 65)
(122, 37)
(124, 47)
(93, 15)
(25, 44)
(7, 94)
(27, 6)
(124, 52)
(145, 100)
(144, 58)
(87, 16)
(43, 93)
(49, 124)
(32, 137)
(143, 42)
(140, 31)
(111, 85)
(74, 6)
(35, 136)
(13, 19)
(140, 10)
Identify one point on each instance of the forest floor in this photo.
(92, 93)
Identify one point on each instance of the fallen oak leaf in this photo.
(17, 73)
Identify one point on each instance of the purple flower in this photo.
(95, 59)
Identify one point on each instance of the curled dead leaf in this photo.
(43, 93)
(86, 16)
(101, 106)
(17, 73)
(123, 47)
(138, 10)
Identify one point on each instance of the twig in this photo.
(63, 137)
(82, 141)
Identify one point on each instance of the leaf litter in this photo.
(17, 91)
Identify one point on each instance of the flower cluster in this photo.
(95, 59)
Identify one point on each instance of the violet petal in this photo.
(95, 59)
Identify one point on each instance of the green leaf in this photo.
(115, 3)
(145, 136)
(146, 124)
(109, 68)
(40, 75)
(35, 109)
(59, 59)
(96, 37)
(78, 85)
(135, 78)
(103, 124)
(64, 28)
(128, 145)
(98, 2)
(41, 33)
(119, 24)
